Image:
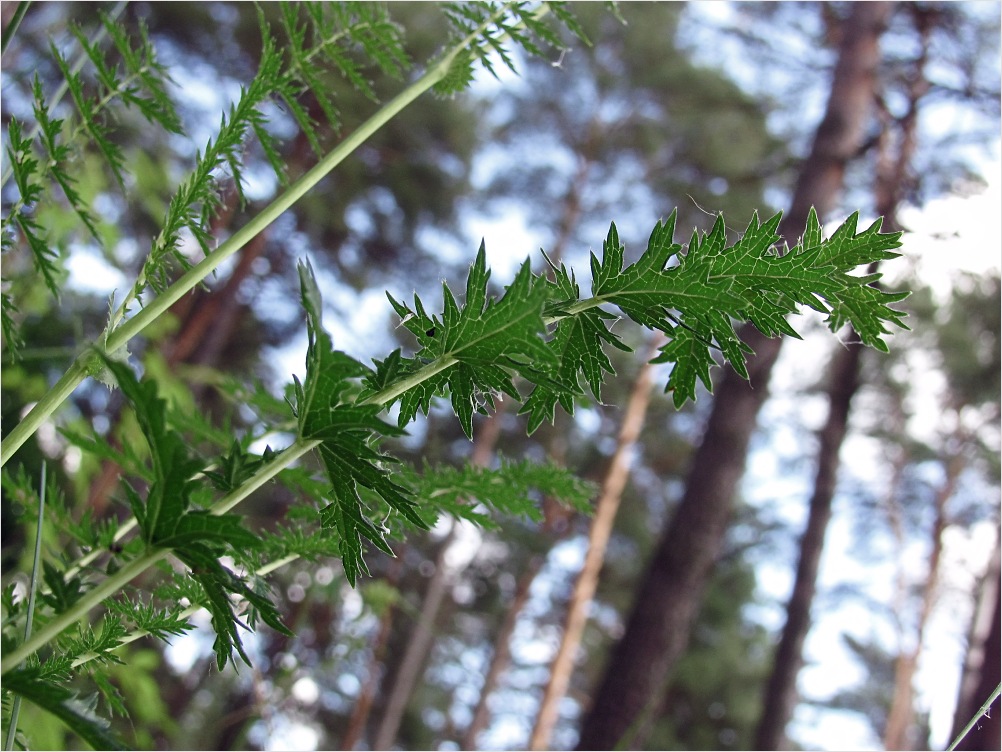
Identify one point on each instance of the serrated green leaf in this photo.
(112, 697)
(159, 622)
(349, 434)
(26, 172)
(216, 582)
(513, 489)
(578, 342)
(196, 537)
(696, 297)
(62, 594)
(100, 644)
(173, 468)
(237, 466)
(490, 339)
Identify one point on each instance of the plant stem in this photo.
(42, 410)
(32, 589)
(92, 598)
(267, 471)
(157, 307)
(983, 710)
(390, 393)
(8, 33)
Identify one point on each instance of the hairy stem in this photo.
(394, 390)
(38, 414)
(267, 471)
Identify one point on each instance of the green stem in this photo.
(394, 390)
(186, 614)
(32, 589)
(983, 710)
(52, 399)
(8, 33)
(266, 472)
(157, 307)
(575, 308)
(78, 610)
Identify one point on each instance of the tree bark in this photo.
(980, 643)
(598, 540)
(901, 713)
(668, 598)
(439, 585)
(987, 732)
(781, 691)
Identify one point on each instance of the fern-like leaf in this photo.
(696, 297)
(349, 434)
(488, 339)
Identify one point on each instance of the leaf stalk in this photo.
(78, 610)
(120, 335)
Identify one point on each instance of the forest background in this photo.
(704, 108)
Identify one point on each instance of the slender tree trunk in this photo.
(902, 712)
(987, 732)
(668, 598)
(983, 621)
(780, 691)
(438, 586)
(598, 539)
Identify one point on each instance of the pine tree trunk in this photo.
(438, 586)
(987, 732)
(668, 598)
(984, 619)
(598, 539)
(780, 693)
(902, 712)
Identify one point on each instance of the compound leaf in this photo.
(487, 339)
(349, 434)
